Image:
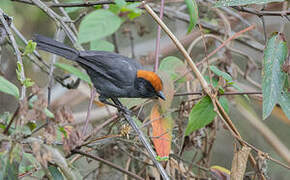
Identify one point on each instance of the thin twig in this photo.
(72, 25)
(17, 53)
(93, 93)
(224, 94)
(264, 28)
(60, 37)
(226, 42)
(114, 39)
(11, 121)
(262, 13)
(157, 47)
(109, 164)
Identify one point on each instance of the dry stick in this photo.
(226, 42)
(109, 164)
(17, 53)
(262, 13)
(204, 84)
(101, 126)
(157, 48)
(65, 14)
(60, 37)
(93, 93)
(225, 93)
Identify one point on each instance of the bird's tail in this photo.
(55, 47)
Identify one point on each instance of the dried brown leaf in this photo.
(63, 115)
(72, 138)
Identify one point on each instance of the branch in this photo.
(262, 13)
(226, 93)
(158, 38)
(109, 164)
(226, 42)
(82, 4)
(17, 53)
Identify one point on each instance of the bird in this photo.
(113, 75)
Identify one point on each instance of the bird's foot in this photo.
(120, 108)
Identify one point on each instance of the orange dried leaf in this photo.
(161, 132)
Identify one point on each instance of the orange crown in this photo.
(152, 77)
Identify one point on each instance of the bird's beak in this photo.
(161, 95)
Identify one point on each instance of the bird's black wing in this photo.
(116, 68)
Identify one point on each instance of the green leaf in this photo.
(273, 76)
(8, 88)
(170, 65)
(28, 82)
(97, 25)
(222, 3)
(237, 87)
(29, 48)
(4, 120)
(60, 161)
(63, 131)
(123, 6)
(193, 13)
(55, 173)
(28, 163)
(48, 113)
(158, 158)
(101, 45)
(201, 115)
(18, 71)
(74, 71)
(10, 162)
(32, 100)
(132, 8)
(284, 101)
(73, 9)
(214, 81)
(120, 3)
(218, 72)
(31, 125)
(225, 104)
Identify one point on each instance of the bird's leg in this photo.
(117, 104)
